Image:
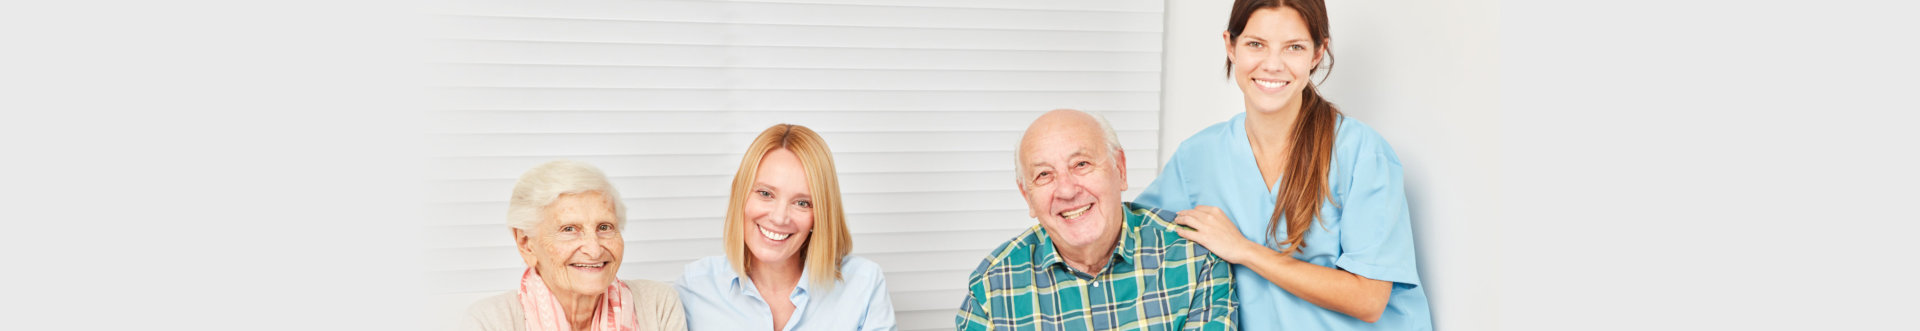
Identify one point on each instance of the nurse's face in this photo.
(1073, 181)
(1272, 59)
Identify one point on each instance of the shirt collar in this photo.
(1128, 244)
(744, 286)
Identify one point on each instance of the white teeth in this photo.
(1072, 214)
(774, 236)
(1268, 84)
(592, 265)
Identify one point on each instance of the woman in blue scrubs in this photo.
(1306, 203)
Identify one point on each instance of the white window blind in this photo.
(922, 103)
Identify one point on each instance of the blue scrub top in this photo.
(1366, 233)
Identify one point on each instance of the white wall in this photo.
(1425, 74)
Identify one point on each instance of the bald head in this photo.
(1077, 125)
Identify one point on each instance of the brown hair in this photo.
(1304, 177)
(829, 241)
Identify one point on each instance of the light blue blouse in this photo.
(1366, 233)
(716, 298)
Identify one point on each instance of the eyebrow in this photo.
(771, 189)
(1257, 38)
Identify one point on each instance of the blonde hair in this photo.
(829, 241)
(538, 187)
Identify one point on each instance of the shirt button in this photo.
(1096, 284)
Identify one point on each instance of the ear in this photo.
(524, 243)
(1120, 159)
(1228, 40)
(1320, 53)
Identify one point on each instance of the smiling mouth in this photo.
(774, 236)
(1076, 213)
(589, 266)
(1269, 84)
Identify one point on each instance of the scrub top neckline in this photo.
(1251, 162)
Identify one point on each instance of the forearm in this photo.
(1333, 289)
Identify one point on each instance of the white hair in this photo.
(545, 183)
(1106, 130)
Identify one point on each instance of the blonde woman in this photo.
(566, 221)
(786, 240)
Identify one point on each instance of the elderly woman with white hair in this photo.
(566, 221)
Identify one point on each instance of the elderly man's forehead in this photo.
(1073, 124)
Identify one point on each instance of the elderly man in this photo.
(1094, 262)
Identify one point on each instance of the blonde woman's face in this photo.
(1272, 59)
(577, 246)
(779, 209)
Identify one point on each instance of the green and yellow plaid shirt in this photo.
(1156, 281)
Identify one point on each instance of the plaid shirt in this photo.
(1155, 281)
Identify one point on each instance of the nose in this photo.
(594, 250)
(1068, 187)
(1274, 63)
(779, 215)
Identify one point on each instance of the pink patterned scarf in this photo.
(544, 312)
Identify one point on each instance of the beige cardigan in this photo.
(656, 308)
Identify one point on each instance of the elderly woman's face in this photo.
(576, 247)
(779, 208)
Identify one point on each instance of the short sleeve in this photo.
(1376, 236)
(1169, 190)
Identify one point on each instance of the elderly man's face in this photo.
(576, 247)
(1073, 183)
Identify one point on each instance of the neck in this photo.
(781, 276)
(1091, 258)
(1273, 128)
(579, 308)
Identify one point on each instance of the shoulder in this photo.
(859, 269)
(497, 312)
(1352, 135)
(651, 289)
(654, 300)
(702, 275)
(1158, 225)
(1210, 139)
(707, 267)
(1021, 245)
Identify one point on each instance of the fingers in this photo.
(1209, 209)
(1189, 218)
(1187, 233)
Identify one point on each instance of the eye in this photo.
(1255, 44)
(803, 203)
(1043, 178)
(1083, 164)
(1296, 47)
(763, 193)
(568, 228)
(606, 227)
